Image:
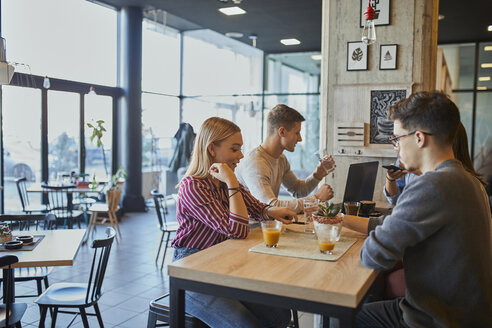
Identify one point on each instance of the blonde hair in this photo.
(213, 130)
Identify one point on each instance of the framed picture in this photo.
(387, 56)
(356, 56)
(382, 9)
(381, 127)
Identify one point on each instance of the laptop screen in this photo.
(361, 180)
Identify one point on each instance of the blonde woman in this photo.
(213, 207)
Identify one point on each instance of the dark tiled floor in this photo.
(132, 278)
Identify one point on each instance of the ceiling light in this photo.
(236, 35)
(290, 42)
(481, 88)
(487, 48)
(484, 78)
(441, 17)
(229, 11)
(316, 57)
(486, 65)
(489, 28)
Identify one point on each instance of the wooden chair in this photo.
(166, 228)
(109, 208)
(79, 295)
(10, 313)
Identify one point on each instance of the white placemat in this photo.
(304, 245)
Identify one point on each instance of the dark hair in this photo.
(282, 115)
(461, 153)
(431, 112)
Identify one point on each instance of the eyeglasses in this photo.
(395, 140)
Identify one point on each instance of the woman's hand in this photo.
(282, 214)
(223, 173)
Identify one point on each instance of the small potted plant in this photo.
(328, 214)
(5, 233)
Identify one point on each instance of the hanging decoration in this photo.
(369, 31)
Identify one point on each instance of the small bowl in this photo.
(25, 239)
(13, 244)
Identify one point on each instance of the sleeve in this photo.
(412, 220)
(392, 199)
(198, 199)
(297, 187)
(256, 176)
(255, 208)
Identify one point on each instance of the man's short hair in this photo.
(431, 112)
(282, 115)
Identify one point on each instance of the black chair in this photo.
(60, 204)
(79, 295)
(10, 313)
(159, 311)
(166, 228)
(25, 203)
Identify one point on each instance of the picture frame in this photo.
(381, 128)
(382, 9)
(388, 54)
(356, 56)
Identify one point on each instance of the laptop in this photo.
(361, 180)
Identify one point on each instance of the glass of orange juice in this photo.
(328, 234)
(271, 232)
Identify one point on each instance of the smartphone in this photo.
(392, 167)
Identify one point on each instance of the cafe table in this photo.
(57, 248)
(332, 289)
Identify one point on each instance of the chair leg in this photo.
(84, 317)
(53, 317)
(295, 318)
(151, 322)
(114, 224)
(38, 285)
(42, 319)
(98, 315)
(115, 218)
(160, 245)
(46, 283)
(91, 226)
(165, 249)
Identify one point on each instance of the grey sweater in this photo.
(441, 228)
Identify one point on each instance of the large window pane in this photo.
(63, 133)
(160, 59)
(216, 65)
(464, 101)
(460, 59)
(484, 73)
(71, 39)
(160, 121)
(21, 110)
(303, 158)
(483, 134)
(97, 161)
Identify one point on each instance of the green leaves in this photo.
(328, 209)
(97, 132)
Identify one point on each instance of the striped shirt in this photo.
(203, 214)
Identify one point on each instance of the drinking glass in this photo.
(327, 161)
(351, 208)
(271, 232)
(328, 234)
(310, 208)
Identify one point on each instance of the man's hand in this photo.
(393, 175)
(324, 193)
(282, 214)
(325, 166)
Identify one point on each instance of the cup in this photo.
(271, 232)
(351, 208)
(310, 208)
(328, 235)
(366, 207)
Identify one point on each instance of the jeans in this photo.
(224, 313)
(383, 314)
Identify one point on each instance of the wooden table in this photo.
(228, 269)
(36, 187)
(58, 248)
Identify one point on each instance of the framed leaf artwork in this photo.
(356, 56)
(387, 56)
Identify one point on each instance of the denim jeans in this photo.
(224, 313)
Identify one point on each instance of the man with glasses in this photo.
(440, 228)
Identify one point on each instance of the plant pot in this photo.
(334, 224)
